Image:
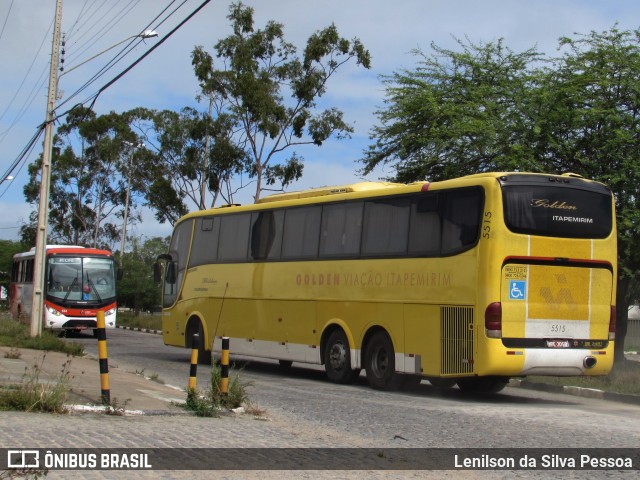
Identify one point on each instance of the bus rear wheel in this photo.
(380, 363)
(337, 358)
(482, 385)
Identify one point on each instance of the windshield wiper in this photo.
(91, 284)
(73, 284)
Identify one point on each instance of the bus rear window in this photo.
(557, 211)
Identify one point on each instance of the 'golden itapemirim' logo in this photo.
(556, 205)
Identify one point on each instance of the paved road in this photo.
(423, 417)
(302, 409)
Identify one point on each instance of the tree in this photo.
(8, 249)
(592, 127)
(488, 109)
(259, 69)
(92, 165)
(179, 143)
(457, 113)
(137, 289)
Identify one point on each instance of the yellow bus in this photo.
(469, 281)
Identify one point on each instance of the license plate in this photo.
(557, 343)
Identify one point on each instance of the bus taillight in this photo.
(493, 320)
(612, 323)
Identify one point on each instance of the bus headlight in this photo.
(109, 312)
(53, 311)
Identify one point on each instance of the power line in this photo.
(71, 30)
(26, 75)
(19, 162)
(37, 87)
(128, 48)
(6, 19)
(164, 39)
(105, 27)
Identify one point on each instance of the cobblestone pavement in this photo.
(165, 425)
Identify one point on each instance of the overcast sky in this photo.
(165, 80)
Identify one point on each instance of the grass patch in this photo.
(117, 408)
(145, 322)
(13, 353)
(33, 395)
(18, 335)
(213, 401)
(624, 378)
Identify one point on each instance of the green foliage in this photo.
(213, 400)
(142, 322)
(8, 249)
(15, 334)
(261, 103)
(457, 113)
(260, 70)
(93, 163)
(116, 408)
(485, 108)
(193, 154)
(33, 395)
(137, 290)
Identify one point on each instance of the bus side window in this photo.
(386, 227)
(234, 237)
(205, 241)
(341, 228)
(461, 222)
(425, 228)
(266, 235)
(170, 277)
(301, 232)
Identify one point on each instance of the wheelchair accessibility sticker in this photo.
(517, 289)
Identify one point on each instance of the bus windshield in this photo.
(80, 279)
(557, 210)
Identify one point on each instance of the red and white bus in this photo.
(79, 282)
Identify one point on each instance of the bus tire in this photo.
(380, 363)
(204, 355)
(482, 385)
(337, 358)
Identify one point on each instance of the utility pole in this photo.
(37, 305)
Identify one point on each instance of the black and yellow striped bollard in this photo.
(101, 332)
(193, 370)
(224, 367)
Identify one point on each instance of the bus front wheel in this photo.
(380, 363)
(205, 357)
(195, 326)
(337, 358)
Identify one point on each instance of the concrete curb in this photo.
(577, 391)
(77, 408)
(140, 329)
